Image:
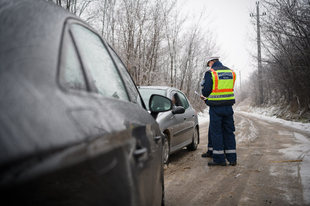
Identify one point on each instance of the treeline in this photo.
(285, 34)
(159, 43)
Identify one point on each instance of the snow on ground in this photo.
(296, 125)
(244, 126)
(301, 151)
(280, 110)
(203, 117)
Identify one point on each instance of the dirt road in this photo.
(264, 175)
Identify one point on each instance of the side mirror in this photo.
(159, 103)
(178, 110)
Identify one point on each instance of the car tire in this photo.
(193, 146)
(166, 149)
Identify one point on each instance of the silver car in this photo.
(180, 125)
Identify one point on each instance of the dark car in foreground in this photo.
(74, 130)
(180, 125)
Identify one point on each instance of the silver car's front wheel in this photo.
(196, 138)
(166, 149)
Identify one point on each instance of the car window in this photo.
(183, 100)
(71, 73)
(99, 63)
(131, 87)
(147, 93)
(175, 99)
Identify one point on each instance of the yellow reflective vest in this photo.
(223, 85)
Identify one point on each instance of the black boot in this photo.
(216, 163)
(233, 163)
(206, 155)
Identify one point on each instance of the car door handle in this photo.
(141, 154)
(193, 116)
(157, 138)
(184, 118)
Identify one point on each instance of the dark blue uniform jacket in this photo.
(207, 84)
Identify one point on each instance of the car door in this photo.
(106, 149)
(111, 80)
(188, 117)
(178, 124)
(151, 180)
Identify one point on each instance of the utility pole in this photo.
(259, 55)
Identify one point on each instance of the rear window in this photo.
(146, 94)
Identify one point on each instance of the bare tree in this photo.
(286, 42)
(158, 42)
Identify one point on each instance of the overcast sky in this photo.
(231, 22)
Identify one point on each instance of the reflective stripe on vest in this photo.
(221, 96)
(223, 85)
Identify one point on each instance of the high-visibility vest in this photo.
(223, 84)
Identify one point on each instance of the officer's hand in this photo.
(203, 97)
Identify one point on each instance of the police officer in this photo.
(218, 93)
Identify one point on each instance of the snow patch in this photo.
(281, 110)
(301, 151)
(246, 124)
(296, 125)
(301, 138)
(284, 133)
(237, 175)
(203, 117)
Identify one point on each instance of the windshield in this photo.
(146, 94)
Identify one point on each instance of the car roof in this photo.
(30, 99)
(158, 87)
(27, 30)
